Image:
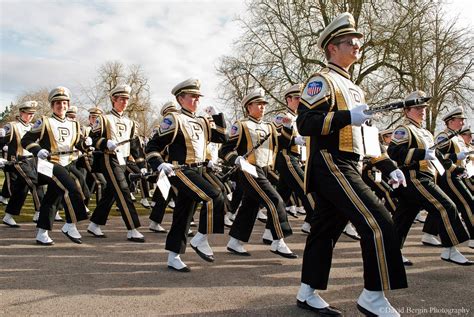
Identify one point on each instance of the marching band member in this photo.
(331, 113)
(411, 148)
(185, 136)
(244, 136)
(116, 136)
(54, 139)
(22, 175)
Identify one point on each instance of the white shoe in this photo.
(200, 244)
(279, 247)
(88, 211)
(237, 247)
(135, 236)
(406, 261)
(232, 216)
(171, 204)
(132, 197)
(145, 203)
(95, 230)
(375, 303)
(471, 244)
(3, 200)
(267, 237)
(301, 210)
(431, 240)
(227, 221)
(156, 227)
(351, 232)
(36, 216)
(292, 211)
(43, 238)
(70, 230)
(309, 295)
(306, 227)
(152, 204)
(261, 215)
(175, 263)
(452, 255)
(9, 221)
(57, 217)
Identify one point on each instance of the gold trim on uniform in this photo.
(369, 218)
(327, 123)
(67, 200)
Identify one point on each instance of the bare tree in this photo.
(279, 49)
(40, 95)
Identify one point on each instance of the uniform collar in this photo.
(418, 125)
(115, 113)
(339, 70)
(188, 113)
(20, 120)
(255, 119)
(291, 111)
(59, 118)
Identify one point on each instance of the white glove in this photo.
(167, 168)
(462, 155)
(238, 161)
(430, 155)
(143, 171)
(111, 145)
(2, 132)
(211, 165)
(43, 154)
(5, 148)
(358, 117)
(88, 141)
(2, 162)
(300, 140)
(397, 178)
(210, 110)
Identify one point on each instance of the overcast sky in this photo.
(51, 43)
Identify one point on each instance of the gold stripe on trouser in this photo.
(469, 184)
(273, 211)
(118, 190)
(202, 195)
(293, 172)
(78, 184)
(437, 204)
(67, 200)
(460, 197)
(382, 188)
(311, 200)
(369, 218)
(210, 179)
(34, 193)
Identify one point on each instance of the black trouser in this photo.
(343, 196)
(79, 175)
(6, 191)
(61, 187)
(381, 189)
(422, 193)
(292, 179)
(457, 190)
(216, 182)
(259, 191)
(193, 188)
(24, 180)
(116, 190)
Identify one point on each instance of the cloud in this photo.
(50, 43)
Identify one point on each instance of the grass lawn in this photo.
(28, 208)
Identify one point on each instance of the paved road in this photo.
(115, 277)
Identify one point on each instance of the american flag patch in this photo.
(314, 88)
(399, 134)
